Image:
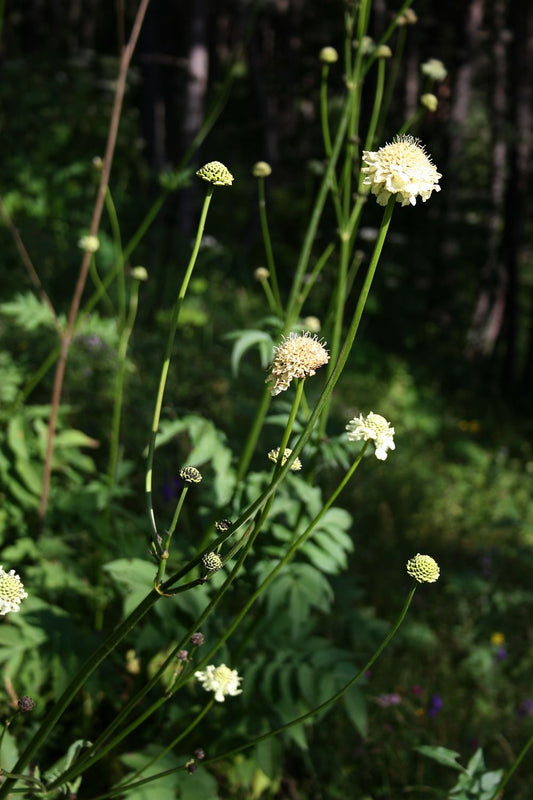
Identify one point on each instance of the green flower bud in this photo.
(328, 55)
(261, 169)
(212, 562)
(383, 51)
(429, 101)
(216, 173)
(139, 274)
(423, 569)
(190, 475)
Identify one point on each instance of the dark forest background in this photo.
(466, 285)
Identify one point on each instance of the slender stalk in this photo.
(326, 136)
(166, 545)
(115, 227)
(305, 253)
(23, 253)
(166, 362)
(119, 383)
(67, 336)
(498, 792)
(268, 243)
(253, 435)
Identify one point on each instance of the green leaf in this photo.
(8, 751)
(268, 756)
(244, 341)
(442, 755)
(135, 578)
(356, 707)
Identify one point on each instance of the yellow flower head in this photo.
(274, 454)
(221, 680)
(216, 173)
(298, 356)
(11, 591)
(328, 55)
(402, 168)
(423, 569)
(497, 639)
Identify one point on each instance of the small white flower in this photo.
(221, 680)
(274, 455)
(374, 427)
(11, 591)
(434, 69)
(89, 243)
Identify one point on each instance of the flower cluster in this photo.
(11, 591)
(423, 569)
(296, 357)
(403, 169)
(221, 680)
(274, 454)
(375, 428)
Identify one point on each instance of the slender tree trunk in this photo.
(522, 107)
(489, 310)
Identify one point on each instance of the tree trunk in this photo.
(489, 310)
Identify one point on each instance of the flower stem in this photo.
(510, 772)
(166, 362)
(268, 244)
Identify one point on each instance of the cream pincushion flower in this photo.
(11, 591)
(375, 428)
(296, 357)
(221, 680)
(402, 168)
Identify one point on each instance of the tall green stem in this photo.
(268, 243)
(166, 362)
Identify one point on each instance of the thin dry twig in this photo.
(66, 339)
(28, 263)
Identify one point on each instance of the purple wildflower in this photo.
(435, 705)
